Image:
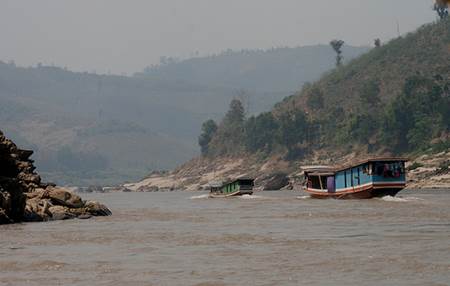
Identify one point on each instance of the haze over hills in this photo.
(101, 129)
(266, 71)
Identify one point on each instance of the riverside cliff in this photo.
(25, 198)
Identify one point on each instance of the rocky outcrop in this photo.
(274, 182)
(429, 171)
(24, 197)
(17, 177)
(198, 173)
(55, 203)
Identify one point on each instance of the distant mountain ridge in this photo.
(105, 129)
(273, 70)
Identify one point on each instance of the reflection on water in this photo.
(272, 238)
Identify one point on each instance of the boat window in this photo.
(359, 175)
(324, 182)
(351, 176)
(314, 182)
(246, 182)
(366, 169)
(389, 169)
(345, 178)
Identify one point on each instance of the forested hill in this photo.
(394, 99)
(280, 70)
(99, 129)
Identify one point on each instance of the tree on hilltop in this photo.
(235, 114)
(228, 139)
(441, 8)
(337, 47)
(209, 129)
(377, 43)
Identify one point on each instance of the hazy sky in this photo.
(126, 35)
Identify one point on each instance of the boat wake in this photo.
(252, 197)
(303, 197)
(204, 196)
(400, 199)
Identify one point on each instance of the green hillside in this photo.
(425, 52)
(393, 99)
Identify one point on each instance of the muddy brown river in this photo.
(272, 238)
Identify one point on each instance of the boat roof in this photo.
(321, 174)
(317, 167)
(215, 184)
(329, 171)
(318, 170)
(370, 160)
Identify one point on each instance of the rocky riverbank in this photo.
(272, 174)
(424, 172)
(430, 172)
(24, 197)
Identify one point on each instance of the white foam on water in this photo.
(250, 197)
(400, 199)
(204, 196)
(303, 197)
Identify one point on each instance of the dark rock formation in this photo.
(148, 189)
(23, 196)
(94, 189)
(16, 178)
(275, 182)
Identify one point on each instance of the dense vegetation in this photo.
(264, 132)
(394, 99)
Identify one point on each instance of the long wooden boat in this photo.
(375, 177)
(238, 187)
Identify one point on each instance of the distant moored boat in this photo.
(376, 177)
(238, 187)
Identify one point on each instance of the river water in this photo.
(272, 238)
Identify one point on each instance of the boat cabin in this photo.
(372, 177)
(215, 186)
(239, 186)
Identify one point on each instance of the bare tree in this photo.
(337, 47)
(441, 8)
(377, 43)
